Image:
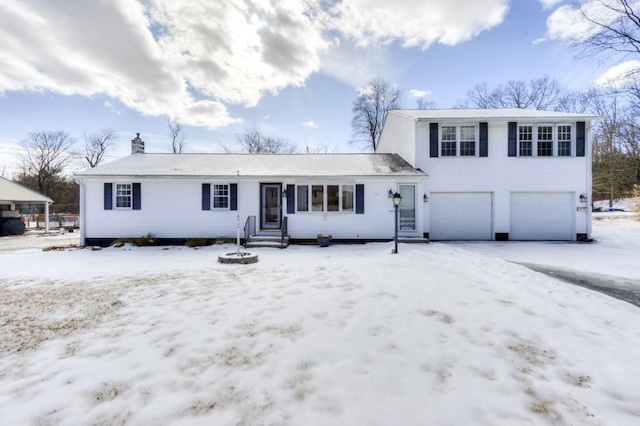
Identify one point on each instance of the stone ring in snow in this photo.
(238, 257)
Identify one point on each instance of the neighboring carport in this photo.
(12, 193)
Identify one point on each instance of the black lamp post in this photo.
(396, 203)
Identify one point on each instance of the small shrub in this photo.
(120, 242)
(223, 240)
(196, 242)
(147, 240)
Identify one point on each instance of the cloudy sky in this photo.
(292, 67)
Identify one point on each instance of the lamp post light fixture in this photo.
(396, 198)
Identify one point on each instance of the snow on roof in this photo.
(16, 193)
(262, 165)
(485, 114)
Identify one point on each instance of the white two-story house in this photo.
(497, 174)
(464, 174)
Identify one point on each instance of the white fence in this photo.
(56, 221)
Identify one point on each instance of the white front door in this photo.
(407, 208)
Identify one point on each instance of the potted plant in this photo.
(324, 239)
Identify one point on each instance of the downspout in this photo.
(589, 178)
(81, 211)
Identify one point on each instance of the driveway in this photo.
(620, 288)
(609, 264)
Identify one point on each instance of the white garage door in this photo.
(542, 216)
(460, 216)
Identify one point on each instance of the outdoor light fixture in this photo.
(425, 199)
(390, 193)
(583, 198)
(396, 198)
(284, 193)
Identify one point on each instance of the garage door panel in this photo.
(542, 216)
(460, 216)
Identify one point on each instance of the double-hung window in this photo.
(545, 141)
(123, 195)
(525, 141)
(220, 197)
(467, 140)
(448, 141)
(564, 140)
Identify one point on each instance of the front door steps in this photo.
(267, 238)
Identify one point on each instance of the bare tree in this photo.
(178, 142)
(615, 26)
(96, 146)
(422, 103)
(541, 94)
(44, 156)
(253, 141)
(370, 110)
(321, 148)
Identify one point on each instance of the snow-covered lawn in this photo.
(435, 335)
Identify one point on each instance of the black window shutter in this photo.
(108, 196)
(291, 199)
(433, 139)
(360, 199)
(206, 196)
(512, 138)
(484, 139)
(233, 196)
(580, 139)
(137, 196)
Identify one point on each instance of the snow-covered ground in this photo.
(614, 251)
(436, 334)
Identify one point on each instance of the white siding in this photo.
(399, 137)
(377, 222)
(169, 209)
(500, 174)
(172, 209)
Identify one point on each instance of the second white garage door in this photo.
(542, 216)
(460, 216)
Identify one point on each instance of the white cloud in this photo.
(310, 124)
(548, 4)
(416, 23)
(175, 58)
(189, 60)
(415, 93)
(619, 75)
(568, 22)
(111, 108)
(356, 66)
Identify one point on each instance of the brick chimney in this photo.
(137, 145)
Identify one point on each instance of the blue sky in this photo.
(292, 67)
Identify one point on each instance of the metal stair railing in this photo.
(283, 231)
(249, 229)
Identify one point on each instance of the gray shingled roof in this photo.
(487, 114)
(261, 165)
